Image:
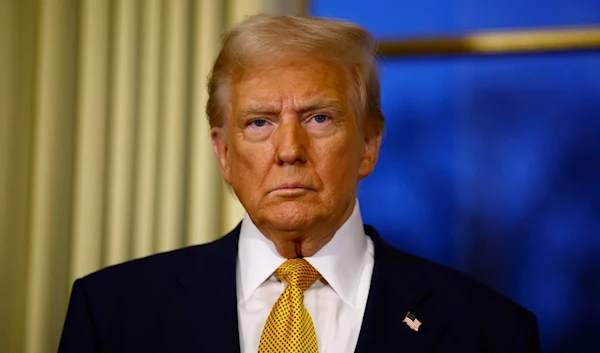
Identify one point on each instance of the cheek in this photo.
(249, 164)
(338, 164)
(241, 154)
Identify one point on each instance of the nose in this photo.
(291, 142)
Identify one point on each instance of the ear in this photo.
(372, 143)
(218, 136)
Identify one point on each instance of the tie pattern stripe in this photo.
(289, 327)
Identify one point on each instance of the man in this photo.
(296, 124)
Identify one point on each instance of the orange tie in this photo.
(289, 327)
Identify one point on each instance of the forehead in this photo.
(290, 82)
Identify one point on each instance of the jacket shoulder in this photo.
(462, 288)
(152, 271)
(471, 307)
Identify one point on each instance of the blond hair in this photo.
(266, 38)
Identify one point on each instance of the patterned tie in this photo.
(289, 327)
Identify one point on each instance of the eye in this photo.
(320, 118)
(258, 122)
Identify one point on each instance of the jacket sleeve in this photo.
(79, 332)
(527, 339)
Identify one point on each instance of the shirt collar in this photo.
(340, 261)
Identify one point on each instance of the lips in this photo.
(292, 186)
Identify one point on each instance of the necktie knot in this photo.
(298, 273)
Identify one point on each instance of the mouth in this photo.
(291, 189)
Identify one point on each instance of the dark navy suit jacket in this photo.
(184, 301)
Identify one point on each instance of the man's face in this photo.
(292, 148)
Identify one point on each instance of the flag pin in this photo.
(412, 321)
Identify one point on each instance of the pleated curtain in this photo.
(105, 151)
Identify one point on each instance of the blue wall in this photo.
(492, 164)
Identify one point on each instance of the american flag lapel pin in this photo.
(412, 321)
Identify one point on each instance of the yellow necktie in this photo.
(289, 327)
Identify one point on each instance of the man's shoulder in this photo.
(155, 264)
(153, 270)
(473, 315)
(460, 293)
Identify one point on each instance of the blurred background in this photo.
(490, 162)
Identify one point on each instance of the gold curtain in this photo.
(104, 147)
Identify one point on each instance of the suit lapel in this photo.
(397, 287)
(199, 312)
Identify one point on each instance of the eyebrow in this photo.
(259, 108)
(321, 103)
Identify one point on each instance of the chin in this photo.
(293, 215)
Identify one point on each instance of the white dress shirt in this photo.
(336, 302)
